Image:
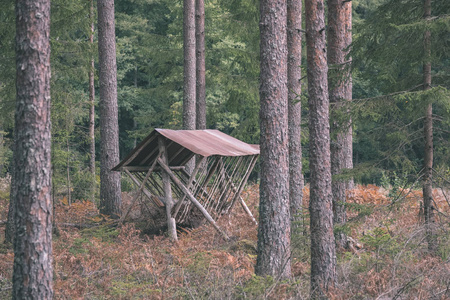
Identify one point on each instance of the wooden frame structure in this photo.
(159, 167)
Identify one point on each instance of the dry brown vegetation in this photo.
(96, 260)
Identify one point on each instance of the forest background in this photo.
(387, 130)
(387, 113)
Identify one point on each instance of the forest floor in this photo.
(122, 262)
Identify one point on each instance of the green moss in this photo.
(79, 246)
(105, 233)
(256, 287)
(132, 286)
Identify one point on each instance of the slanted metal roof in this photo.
(185, 144)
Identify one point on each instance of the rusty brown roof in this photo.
(184, 144)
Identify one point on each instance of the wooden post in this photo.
(192, 198)
(247, 210)
(171, 225)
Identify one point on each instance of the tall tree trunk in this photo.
(189, 82)
(189, 65)
(69, 194)
(200, 64)
(428, 136)
(323, 253)
(33, 271)
(294, 42)
(274, 218)
(110, 194)
(92, 106)
(340, 89)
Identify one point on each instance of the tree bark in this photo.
(33, 271)
(110, 190)
(294, 42)
(323, 253)
(274, 217)
(69, 194)
(340, 90)
(427, 188)
(189, 65)
(200, 64)
(92, 106)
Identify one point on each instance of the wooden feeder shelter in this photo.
(163, 168)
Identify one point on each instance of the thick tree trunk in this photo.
(189, 65)
(33, 271)
(294, 42)
(340, 89)
(110, 191)
(92, 107)
(274, 218)
(428, 136)
(200, 64)
(323, 253)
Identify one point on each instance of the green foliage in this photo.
(104, 233)
(362, 209)
(388, 54)
(121, 288)
(200, 262)
(257, 286)
(79, 246)
(7, 65)
(444, 245)
(5, 154)
(394, 184)
(389, 43)
(377, 238)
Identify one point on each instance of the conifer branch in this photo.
(389, 95)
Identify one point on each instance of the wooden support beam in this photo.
(247, 210)
(148, 156)
(176, 154)
(137, 151)
(141, 188)
(191, 180)
(145, 168)
(241, 187)
(171, 225)
(192, 198)
(155, 199)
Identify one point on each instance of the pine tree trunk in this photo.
(33, 271)
(323, 253)
(110, 190)
(427, 188)
(189, 65)
(294, 42)
(274, 217)
(200, 64)
(92, 107)
(340, 89)
(69, 194)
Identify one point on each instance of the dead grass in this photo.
(107, 262)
